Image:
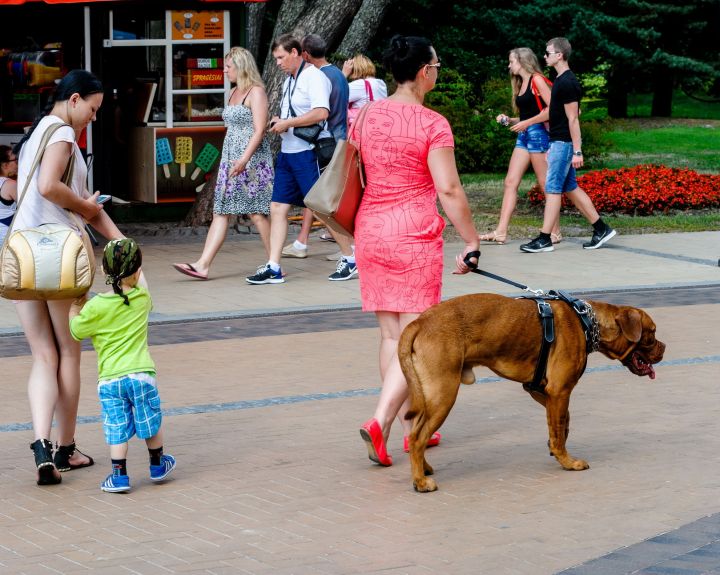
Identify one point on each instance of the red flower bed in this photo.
(645, 189)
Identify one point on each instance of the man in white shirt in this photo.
(305, 102)
(314, 50)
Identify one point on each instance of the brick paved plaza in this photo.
(262, 413)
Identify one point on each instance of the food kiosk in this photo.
(160, 131)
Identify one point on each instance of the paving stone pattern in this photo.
(263, 405)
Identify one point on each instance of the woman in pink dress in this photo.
(409, 158)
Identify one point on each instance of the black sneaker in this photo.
(266, 275)
(539, 244)
(598, 239)
(345, 270)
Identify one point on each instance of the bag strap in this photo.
(291, 111)
(67, 175)
(359, 122)
(536, 92)
(368, 91)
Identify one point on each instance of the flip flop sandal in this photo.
(493, 237)
(188, 270)
(327, 237)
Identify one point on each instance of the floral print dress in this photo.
(250, 191)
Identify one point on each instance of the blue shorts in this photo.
(560, 174)
(535, 139)
(295, 174)
(130, 406)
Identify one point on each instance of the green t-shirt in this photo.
(118, 332)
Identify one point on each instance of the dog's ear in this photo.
(630, 322)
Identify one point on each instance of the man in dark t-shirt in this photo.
(565, 154)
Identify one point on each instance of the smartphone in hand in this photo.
(102, 198)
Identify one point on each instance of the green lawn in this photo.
(696, 147)
(640, 105)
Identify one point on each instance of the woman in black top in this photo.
(530, 100)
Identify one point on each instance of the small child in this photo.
(117, 322)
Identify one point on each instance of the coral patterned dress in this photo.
(398, 230)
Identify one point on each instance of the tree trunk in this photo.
(327, 18)
(662, 94)
(617, 89)
(255, 16)
(363, 28)
(202, 210)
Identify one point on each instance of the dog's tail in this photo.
(405, 354)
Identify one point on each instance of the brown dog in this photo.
(439, 349)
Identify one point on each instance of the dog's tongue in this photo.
(651, 371)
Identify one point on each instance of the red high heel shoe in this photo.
(371, 432)
(432, 442)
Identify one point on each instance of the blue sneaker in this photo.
(344, 271)
(160, 472)
(265, 275)
(116, 483)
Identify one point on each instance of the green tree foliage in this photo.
(481, 144)
(643, 44)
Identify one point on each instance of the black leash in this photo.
(474, 268)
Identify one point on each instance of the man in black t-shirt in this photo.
(565, 154)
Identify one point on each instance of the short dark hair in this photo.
(562, 45)
(314, 45)
(5, 154)
(287, 42)
(406, 55)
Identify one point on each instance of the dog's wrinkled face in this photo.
(639, 329)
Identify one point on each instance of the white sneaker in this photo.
(291, 251)
(333, 257)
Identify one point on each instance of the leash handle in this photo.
(469, 256)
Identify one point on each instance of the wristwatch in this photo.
(577, 153)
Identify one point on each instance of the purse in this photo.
(335, 198)
(324, 150)
(49, 261)
(308, 133)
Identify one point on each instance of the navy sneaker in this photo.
(598, 239)
(539, 244)
(266, 275)
(160, 472)
(344, 271)
(116, 484)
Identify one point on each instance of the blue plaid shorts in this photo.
(130, 406)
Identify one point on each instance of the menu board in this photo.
(195, 25)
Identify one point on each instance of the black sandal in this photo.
(42, 448)
(63, 453)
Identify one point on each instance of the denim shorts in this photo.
(295, 174)
(535, 139)
(560, 174)
(130, 406)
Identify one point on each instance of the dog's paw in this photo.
(425, 485)
(579, 465)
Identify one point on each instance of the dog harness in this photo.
(588, 321)
(582, 309)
